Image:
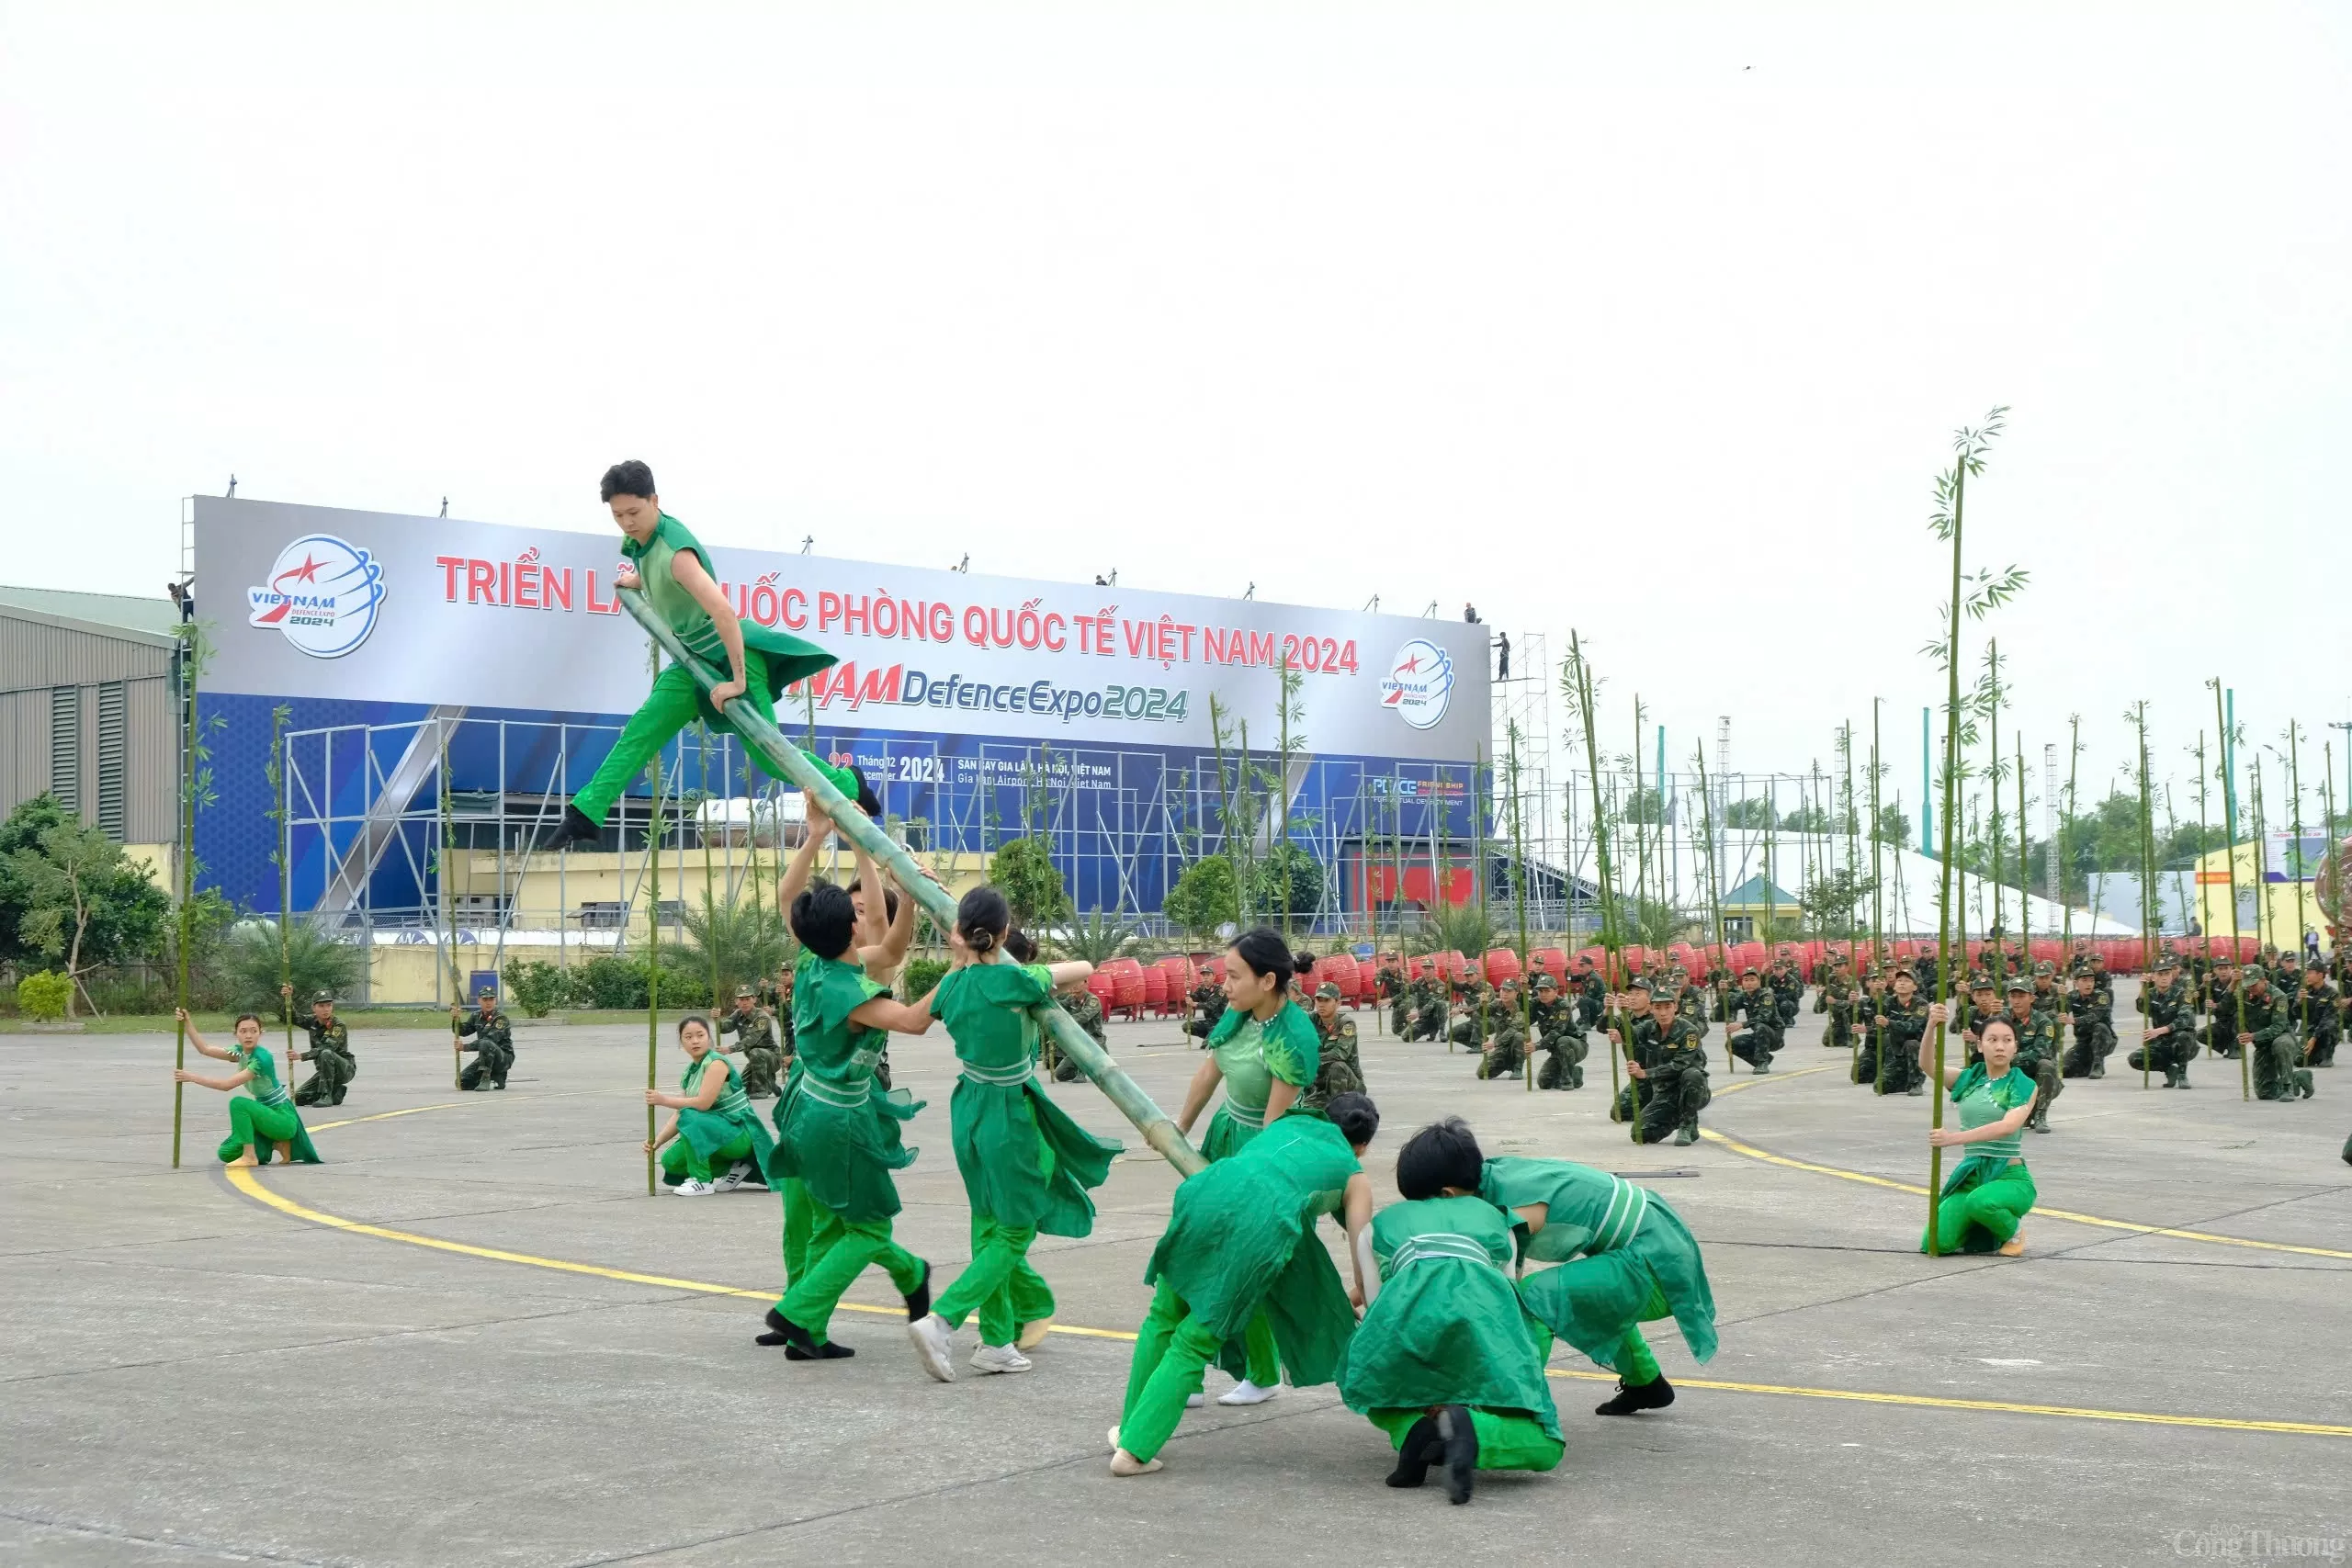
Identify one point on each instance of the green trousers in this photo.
(1635, 1363)
(1173, 1351)
(679, 1159)
(1984, 1215)
(839, 1251)
(998, 1283)
(251, 1124)
(672, 705)
(1508, 1439)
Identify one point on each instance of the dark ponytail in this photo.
(1020, 946)
(1265, 953)
(981, 917)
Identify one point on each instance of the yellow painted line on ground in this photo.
(384, 1116)
(245, 1181)
(2069, 1216)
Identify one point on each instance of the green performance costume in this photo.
(1625, 1258)
(772, 660)
(837, 1138)
(1241, 1242)
(1026, 1166)
(268, 1118)
(1447, 1328)
(1252, 1055)
(716, 1139)
(1990, 1191)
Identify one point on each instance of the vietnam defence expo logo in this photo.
(322, 592)
(1418, 683)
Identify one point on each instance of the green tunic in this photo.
(273, 1117)
(1251, 1055)
(1024, 1163)
(1980, 1100)
(1620, 1246)
(1447, 1327)
(834, 1132)
(1241, 1240)
(731, 1117)
(771, 659)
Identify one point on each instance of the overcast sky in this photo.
(1652, 321)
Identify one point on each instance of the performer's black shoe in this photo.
(919, 1299)
(867, 801)
(782, 1331)
(575, 829)
(1460, 1452)
(828, 1351)
(1421, 1448)
(1655, 1394)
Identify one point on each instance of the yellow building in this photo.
(2277, 912)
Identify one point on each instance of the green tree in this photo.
(1752, 815)
(249, 969)
(1288, 879)
(1023, 871)
(1643, 806)
(1206, 899)
(1809, 819)
(738, 942)
(73, 895)
(1832, 901)
(1894, 827)
(1094, 938)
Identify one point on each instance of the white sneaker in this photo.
(1001, 1358)
(1248, 1392)
(929, 1335)
(693, 1187)
(734, 1177)
(1191, 1401)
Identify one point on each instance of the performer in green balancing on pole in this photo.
(836, 1136)
(1446, 1361)
(1240, 1245)
(1027, 1167)
(1625, 1258)
(1265, 1050)
(669, 565)
(715, 1130)
(1989, 1190)
(260, 1125)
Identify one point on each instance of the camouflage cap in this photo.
(491, 992)
(2020, 986)
(745, 994)
(2169, 961)
(2255, 974)
(1328, 988)
(1666, 996)
(1982, 982)
(1544, 981)
(326, 997)
(2046, 967)
(1750, 970)
(1638, 984)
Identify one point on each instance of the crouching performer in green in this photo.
(1027, 1167)
(837, 1134)
(263, 1123)
(1447, 1360)
(1240, 1244)
(1625, 1258)
(1990, 1191)
(715, 1143)
(670, 567)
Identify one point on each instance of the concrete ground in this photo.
(194, 1375)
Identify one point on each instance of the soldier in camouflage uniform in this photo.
(2091, 1008)
(1670, 1073)
(757, 1039)
(1403, 996)
(2319, 1017)
(1902, 1022)
(1473, 1014)
(1425, 1012)
(775, 996)
(2220, 1005)
(493, 1042)
(1759, 1034)
(1837, 998)
(1968, 1020)
(330, 1049)
(1590, 997)
(1869, 1010)
(2267, 1030)
(1337, 1069)
(1559, 1035)
(1505, 1056)
(2048, 998)
(1085, 1010)
(1208, 1006)
(2171, 1041)
(1629, 1017)
(2036, 1055)
(1787, 985)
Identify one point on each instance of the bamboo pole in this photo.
(2147, 873)
(654, 956)
(1999, 965)
(443, 872)
(1878, 891)
(2065, 826)
(1518, 893)
(1577, 678)
(183, 872)
(1716, 901)
(2295, 823)
(1156, 1128)
(275, 772)
(2230, 832)
(1951, 804)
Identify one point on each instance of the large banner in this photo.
(317, 602)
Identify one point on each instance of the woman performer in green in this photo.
(265, 1122)
(676, 577)
(1990, 1191)
(1625, 1258)
(1240, 1244)
(1265, 1050)
(1027, 1167)
(1447, 1360)
(836, 1136)
(715, 1128)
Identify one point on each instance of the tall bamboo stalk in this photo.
(701, 831)
(444, 872)
(1518, 897)
(1716, 901)
(275, 773)
(2065, 826)
(2295, 822)
(183, 871)
(2230, 832)
(2139, 717)
(1577, 679)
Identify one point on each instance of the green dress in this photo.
(1625, 1256)
(268, 1118)
(1241, 1240)
(1447, 1327)
(836, 1133)
(1251, 1055)
(730, 1118)
(1024, 1162)
(1990, 1191)
(772, 659)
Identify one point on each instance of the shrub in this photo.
(251, 968)
(610, 981)
(916, 980)
(41, 995)
(536, 986)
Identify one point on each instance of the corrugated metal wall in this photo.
(73, 678)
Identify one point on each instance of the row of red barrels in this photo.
(1129, 987)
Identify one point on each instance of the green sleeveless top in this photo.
(1468, 1228)
(985, 1008)
(1980, 1100)
(835, 1056)
(1251, 1055)
(1586, 1210)
(265, 1088)
(673, 603)
(731, 1099)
